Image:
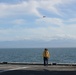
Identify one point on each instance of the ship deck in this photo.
(37, 69)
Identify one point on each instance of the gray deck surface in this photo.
(9, 69)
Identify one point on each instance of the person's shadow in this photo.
(38, 72)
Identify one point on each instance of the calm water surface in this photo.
(58, 55)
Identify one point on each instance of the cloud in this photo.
(72, 20)
(41, 33)
(18, 22)
(31, 7)
(22, 8)
(47, 28)
(50, 21)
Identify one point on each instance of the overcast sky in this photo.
(23, 20)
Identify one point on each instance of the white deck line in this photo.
(14, 69)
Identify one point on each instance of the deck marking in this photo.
(14, 69)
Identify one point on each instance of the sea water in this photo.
(57, 55)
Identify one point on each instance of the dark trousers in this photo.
(45, 61)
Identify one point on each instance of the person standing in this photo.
(46, 56)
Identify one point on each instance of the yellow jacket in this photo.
(46, 54)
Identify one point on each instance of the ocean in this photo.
(57, 55)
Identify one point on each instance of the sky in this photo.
(44, 20)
